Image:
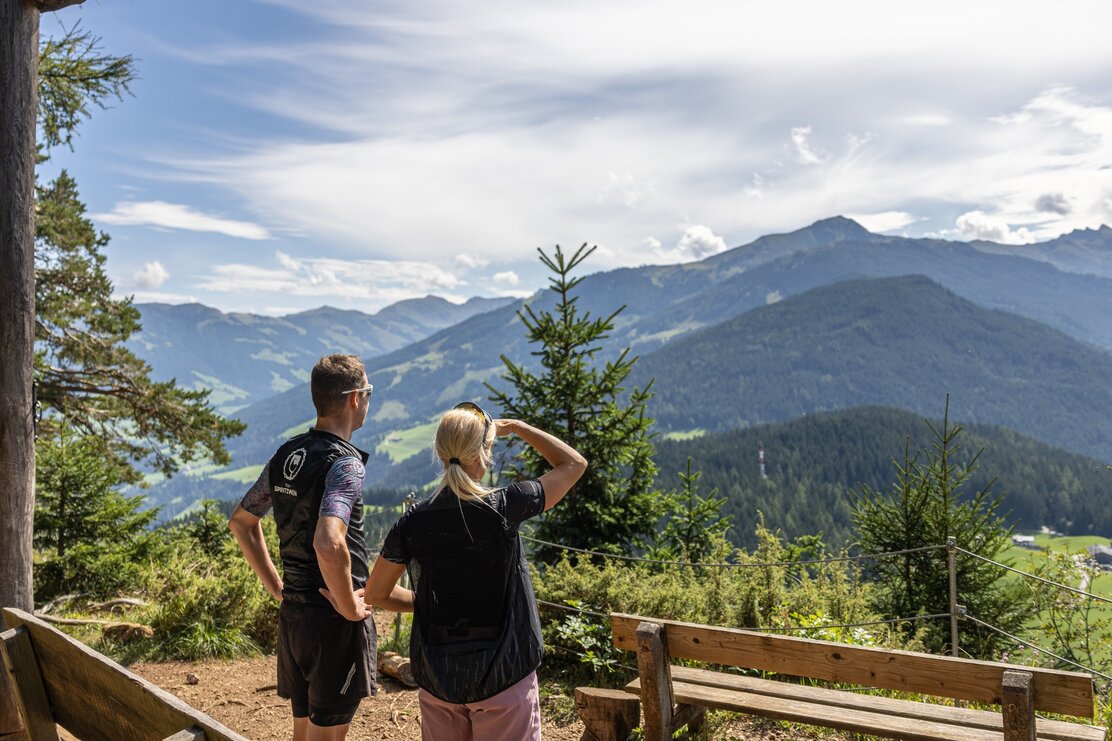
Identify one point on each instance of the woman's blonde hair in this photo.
(459, 437)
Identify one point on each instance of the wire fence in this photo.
(732, 565)
(957, 614)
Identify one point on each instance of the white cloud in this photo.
(152, 275)
(162, 297)
(176, 216)
(507, 278)
(462, 135)
(979, 225)
(804, 151)
(699, 242)
(470, 261)
(885, 221)
(378, 283)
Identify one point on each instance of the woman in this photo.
(476, 639)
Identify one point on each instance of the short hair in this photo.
(332, 376)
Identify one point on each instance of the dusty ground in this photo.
(241, 695)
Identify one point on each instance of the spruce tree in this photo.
(581, 399)
(925, 507)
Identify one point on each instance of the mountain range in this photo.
(1018, 335)
(244, 358)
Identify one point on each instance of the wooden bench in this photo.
(61, 682)
(1019, 690)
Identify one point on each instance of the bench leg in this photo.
(654, 666)
(1018, 706)
(692, 716)
(608, 715)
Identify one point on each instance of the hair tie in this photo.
(455, 461)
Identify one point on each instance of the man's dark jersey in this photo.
(297, 474)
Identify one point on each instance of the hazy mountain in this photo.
(903, 342)
(665, 303)
(1080, 251)
(814, 462)
(246, 357)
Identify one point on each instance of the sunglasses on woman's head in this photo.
(478, 412)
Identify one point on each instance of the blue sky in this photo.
(279, 155)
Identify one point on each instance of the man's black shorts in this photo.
(324, 659)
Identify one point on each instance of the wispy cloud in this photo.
(176, 216)
(378, 283)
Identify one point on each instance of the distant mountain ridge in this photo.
(244, 357)
(663, 303)
(1080, 251)
(905, 342)
(666, 304)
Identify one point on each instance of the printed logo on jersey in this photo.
(293, 464)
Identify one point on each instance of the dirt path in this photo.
(241, 695)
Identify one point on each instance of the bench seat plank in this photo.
(843, 718)
(1069, 693)
(1051, 730)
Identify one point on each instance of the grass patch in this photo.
(246, 475)
(685, 434)
(296, 429)
(400, 445)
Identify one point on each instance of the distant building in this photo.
(1102, 554)
(1024, 541)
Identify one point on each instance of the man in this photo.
(326, 645)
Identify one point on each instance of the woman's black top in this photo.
(475, 626)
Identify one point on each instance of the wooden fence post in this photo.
(654, 666)
(1017, 702)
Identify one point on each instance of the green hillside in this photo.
(902, 342)
(815, 461)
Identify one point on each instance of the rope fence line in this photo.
(1068, 588)
(792, 629)
(1033, 647)
(837, 559)
(961, 615)
(727, 565)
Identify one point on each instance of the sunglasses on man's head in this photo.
(478, 412)
(365, 391)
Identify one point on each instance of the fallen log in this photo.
(397, 666)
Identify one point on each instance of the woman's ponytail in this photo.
(459, 442)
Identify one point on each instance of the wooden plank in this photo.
(1069, 693)
(1052, 730)
(1018, 707)
(608, 715)
(656, 683)
(30, 695)
(845, 719)
(95, 698)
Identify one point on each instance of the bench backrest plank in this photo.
(1069, 693)
(93, 697)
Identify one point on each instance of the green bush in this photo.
(815, 597)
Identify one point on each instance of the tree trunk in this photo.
(19, 49)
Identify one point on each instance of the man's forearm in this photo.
(335, 567)
(252, 543)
